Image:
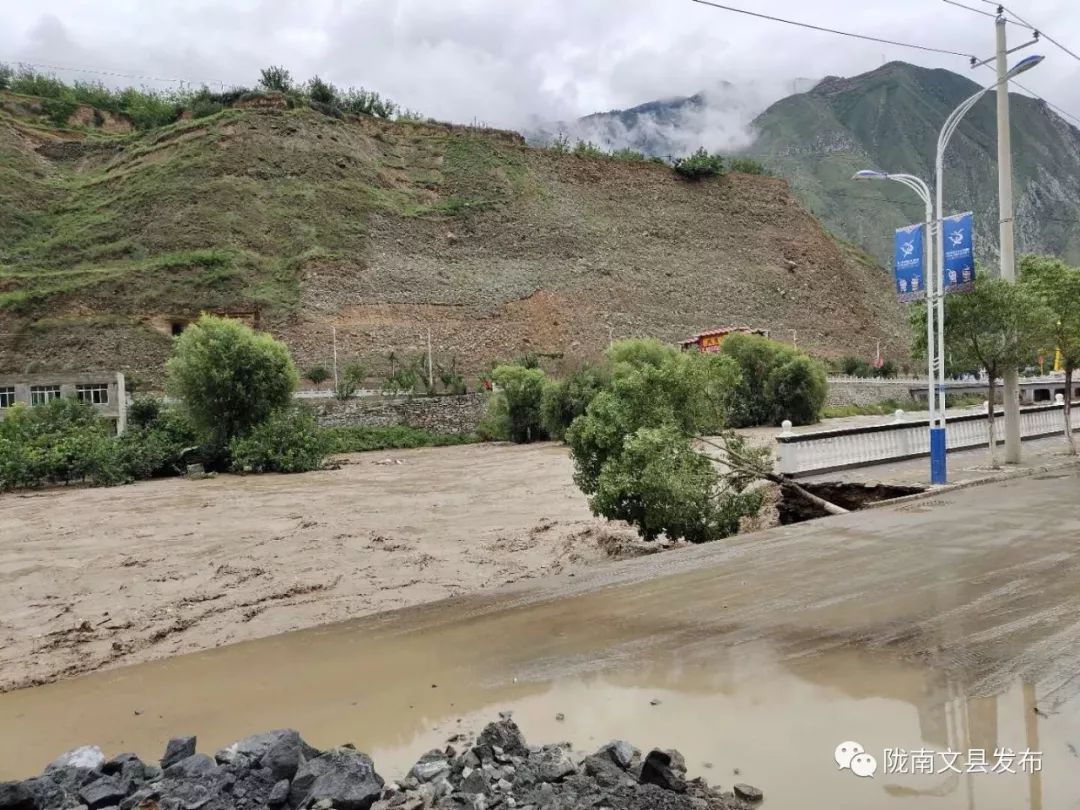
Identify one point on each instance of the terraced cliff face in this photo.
(384, 231)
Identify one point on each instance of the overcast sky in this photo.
(503, 62)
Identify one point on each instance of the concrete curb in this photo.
(993, 478)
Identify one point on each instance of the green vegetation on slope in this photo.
(311, 221)
(195, 213)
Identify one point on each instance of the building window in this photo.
(7, 396)
(94, 393)
(40, 394)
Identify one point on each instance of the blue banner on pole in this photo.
(959, 256)
(909, 263)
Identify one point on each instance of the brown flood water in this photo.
(400, 685)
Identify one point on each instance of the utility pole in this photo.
(334, 331)
(430, 365)
(1011, 387)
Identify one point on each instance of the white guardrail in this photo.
(829, 450)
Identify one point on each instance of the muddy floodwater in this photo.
(918, 628)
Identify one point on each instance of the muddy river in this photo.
(930, 637)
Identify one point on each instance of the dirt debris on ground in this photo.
(279, 769)
(94, 578)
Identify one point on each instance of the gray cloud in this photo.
(509, 63)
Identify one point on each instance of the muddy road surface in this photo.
(941, 625)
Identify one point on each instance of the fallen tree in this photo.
(642, 449)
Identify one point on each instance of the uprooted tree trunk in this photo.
(752, 466)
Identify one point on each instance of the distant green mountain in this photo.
(889, 119)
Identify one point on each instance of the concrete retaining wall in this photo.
(823, 451)
(868, 390)
(442, 414)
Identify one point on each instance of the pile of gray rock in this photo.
(278, 770)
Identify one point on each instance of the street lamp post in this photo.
(947, 131)
(937, 465)
(935, 287)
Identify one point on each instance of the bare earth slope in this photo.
(387, 229)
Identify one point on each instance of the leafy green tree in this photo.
(641, 352)
(350, 379)
(321, 92)
(514, 409)
(565, 400)
(662, 485)
(148, 109)
(52, 443)
(403, 380)
(229, 378)
(652, 448)
(686, 390)
(359, 101)
(995, 326)
(856, 367)
(452, 380)
(700, 165)
(317, 375)
(288, 441)
(758, 358)
(276, 79)
(797, 390)
(1058, 287)
(6, 75)
(639, 452)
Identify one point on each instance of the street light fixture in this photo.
(937, 450)
(935, 287)
(937, 435)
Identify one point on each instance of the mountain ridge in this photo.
(888, 119)
(381, 230)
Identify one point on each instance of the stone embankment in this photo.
(280, 771)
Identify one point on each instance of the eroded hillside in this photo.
(385, 230)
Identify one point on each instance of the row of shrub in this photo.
(235, 411)
(408, 377)
(753, 381)
(858, 367)
(64, 441)
(235, 389)
(697, 166)
(147, 108)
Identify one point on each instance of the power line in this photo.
(1038, 33)
(969, 8)
(831, 30)
(1050, 104)
(1045, 35)
(117, 73)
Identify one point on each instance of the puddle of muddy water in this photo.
(399, 689)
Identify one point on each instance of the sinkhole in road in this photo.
(794, 508)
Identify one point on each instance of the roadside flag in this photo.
(909, 263)
(959, 257)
